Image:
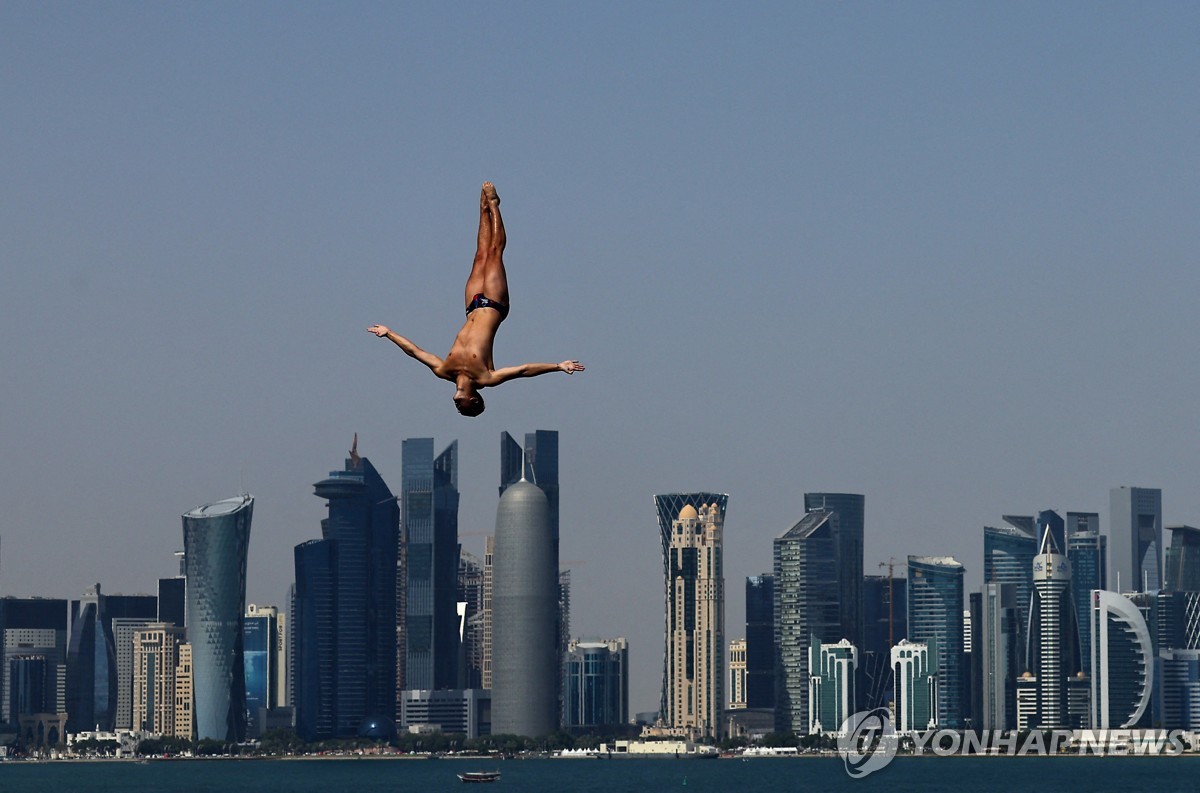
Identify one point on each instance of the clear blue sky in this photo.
(941, 254)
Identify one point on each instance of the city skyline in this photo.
(956, 219)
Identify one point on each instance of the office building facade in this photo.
(668, 507)
(696, 623)
(344, 630)
(806, 607)
(848, 546)
(831, 696)
(429, 520)
(760, 641)
(596, 684)
(216, 539)
(935, 601)
(1087, 551)
(1183, 560)
(914, 667)
(1135, 538)
(1123, 663)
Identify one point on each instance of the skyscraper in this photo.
(914, 667)
(429, 516)
(668, 507)
(848, 544)
(91, 667)
(831, 680)
(1053, 658)
(1183, 560)
(1000, 656)
(537, 462)
(935, 601)
(1135, 532)
(345, 625)
(155, 660)
(736, 689)
(123, 630)
(1123, 660)
(760, 641)
(216, 539)
(265, 664)
(596, 681)
(1008, 553)
(96, 687)
(525, 657)
(885, 622)
(806, 607)
(696, 624)
(36, 627)
(1087, 551)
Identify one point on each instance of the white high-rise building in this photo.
(1122, 662)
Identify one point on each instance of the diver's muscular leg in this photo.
(483, 243)
(487, 272)
(495, 280)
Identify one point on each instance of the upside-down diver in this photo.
(469, 363)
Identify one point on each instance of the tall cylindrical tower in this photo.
(216, 539)
(524, 615)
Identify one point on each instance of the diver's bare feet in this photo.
(489, 193)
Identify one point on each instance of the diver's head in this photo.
(468, 401)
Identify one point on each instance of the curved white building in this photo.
(1122, 662)
(216, 538)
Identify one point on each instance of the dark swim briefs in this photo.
(479, 301)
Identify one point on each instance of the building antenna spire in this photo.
(355, 460)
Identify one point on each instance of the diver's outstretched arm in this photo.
(531, 370)
(427, 358)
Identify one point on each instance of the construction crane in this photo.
(890, 564)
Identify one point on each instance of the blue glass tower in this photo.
(91, 667)
(806, 608)
(346, 606)
(850, 508)
(760, 641)
(216, 539)
(935, 615)
(1008, 553)
(1087, 551)
(596, 682)
(429, 504)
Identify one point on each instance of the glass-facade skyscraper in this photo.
(760, 641)
(935, 617)
(1008, 553)
(848, 542)
(596, 684)
(1135, 538)
(1183, 560)
(806, 608)
(1087, 551)
(216, 539)
(344, 628)
(429, 517)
